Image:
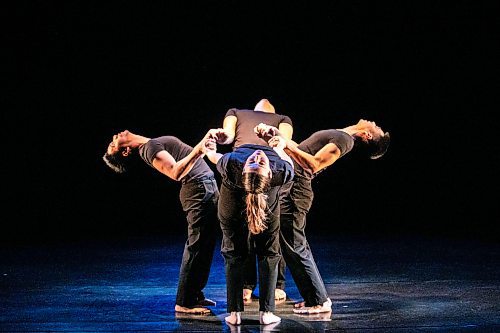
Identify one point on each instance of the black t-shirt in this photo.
(318, 140)
(178, 150)
(248, 119)
(230, 166)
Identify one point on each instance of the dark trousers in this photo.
(199, 202)
(294, 206)
(250, 272)
(237, 242)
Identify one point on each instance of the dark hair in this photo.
(116, 162)
(372, 149)
(379, 146)
(256, 200)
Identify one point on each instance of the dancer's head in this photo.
(265, 106)
(118, 152)
(256, 179)
(374, 141)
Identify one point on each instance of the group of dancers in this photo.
(260, 206)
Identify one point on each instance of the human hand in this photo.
(277, 142)
(265, 131)
(208, 146)
(218, 134)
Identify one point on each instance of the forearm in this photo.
(213, 156)
(185, 165)
(305, 160)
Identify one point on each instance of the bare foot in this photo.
(299, 305)
(247, 295)
(279, 294)
(267, 317)
(234, 318)
(194, 310)
(321, 308)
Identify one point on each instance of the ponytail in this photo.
(256, 212)
(256, 200)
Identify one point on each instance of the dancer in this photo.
(248, 210)
(198, 195)
(311, 156)
(239, 127)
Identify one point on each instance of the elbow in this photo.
(314, 167)
(174, 174)
(177, 176)
(228, 141)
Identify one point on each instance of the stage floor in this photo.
(409, 284)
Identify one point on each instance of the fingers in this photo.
(263, 130)
(277, 142)
(274, 142)
(209, 145)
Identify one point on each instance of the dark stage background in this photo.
(79, 72)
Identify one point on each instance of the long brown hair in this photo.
(255, 185)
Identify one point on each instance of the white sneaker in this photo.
(267, 317)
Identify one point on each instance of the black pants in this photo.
(250, 272)
(237, 242)
(199, 202)
(294, 206)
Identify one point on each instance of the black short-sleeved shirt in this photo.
(230, 166)
(318, 140)
(248, 119)
(178, 150)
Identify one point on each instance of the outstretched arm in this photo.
(278, 144)
(176, 170)
(325, 157)
(212, 155)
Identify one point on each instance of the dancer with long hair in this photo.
(248, 211)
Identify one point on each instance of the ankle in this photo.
(234, 318)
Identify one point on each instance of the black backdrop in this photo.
(78, 72)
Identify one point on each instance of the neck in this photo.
(264, 110)
(135, 141)
(351, 130)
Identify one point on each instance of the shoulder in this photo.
(232, 112)
(285, 119)
(166, 139)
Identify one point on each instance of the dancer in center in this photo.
(248, 211)
(239, 127)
